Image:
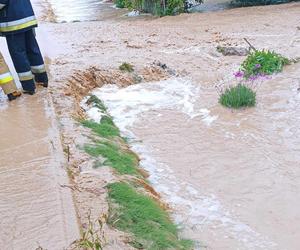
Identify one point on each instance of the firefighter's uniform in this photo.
(17, 23)
(7, 82)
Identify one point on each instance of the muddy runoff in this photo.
(231, 177)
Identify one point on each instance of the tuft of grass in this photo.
(96, 103)
(126, 67)
(238, 97)
(263, 62)
(141, 216)
(93, 237)
(106, 128)
(122, 162)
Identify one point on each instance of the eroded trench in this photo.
(230, 177)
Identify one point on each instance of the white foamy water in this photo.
(126, 105)
(191, 209)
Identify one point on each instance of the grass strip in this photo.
(140, 215)
(106, 128)
(122, 161)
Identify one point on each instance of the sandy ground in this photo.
(187, 43)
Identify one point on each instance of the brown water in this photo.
(36, 210)
(33, 205)
(84, 10)
(232, 177)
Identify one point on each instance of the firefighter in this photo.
(17, 24)
(7, 82)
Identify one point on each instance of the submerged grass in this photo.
(238, 96)
(122, 162)
(143, 217)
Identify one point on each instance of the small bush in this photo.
(263, 62)
(126, 67)
(238, 97)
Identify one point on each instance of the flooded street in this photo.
(33, 204)
(36, 210)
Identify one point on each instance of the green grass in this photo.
(238, 97)
(122, 161)
(106, 128)
(126, 67)
(263, 62)
(141, 216)
(96, 103)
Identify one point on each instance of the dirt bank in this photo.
(188, 44)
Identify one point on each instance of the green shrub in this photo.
(263, 62)
(238, 97)
(174, 6)
(137, 213)
(126, 67)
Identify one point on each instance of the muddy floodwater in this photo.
(232, 177)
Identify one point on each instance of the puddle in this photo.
(85, 10)
(212, 5)
(215, 167)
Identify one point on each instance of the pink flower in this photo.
(239, 74)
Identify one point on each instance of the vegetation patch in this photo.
(126, 67)
(157, 7)
(93, 237)
(141, 216)
(263, 62)
(133, 208)
(122, 161)
(96, 102)
(238, 96)
(106, 128)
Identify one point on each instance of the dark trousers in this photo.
(27, 58)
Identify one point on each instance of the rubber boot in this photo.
(14, 95)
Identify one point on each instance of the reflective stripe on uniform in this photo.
(38, 69)
(2, 6)
(25, 76)
(18, 24)
(5, 78)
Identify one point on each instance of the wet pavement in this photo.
(36, 210)
(85, 10)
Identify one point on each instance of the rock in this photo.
(133, 13)
(232, 51)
